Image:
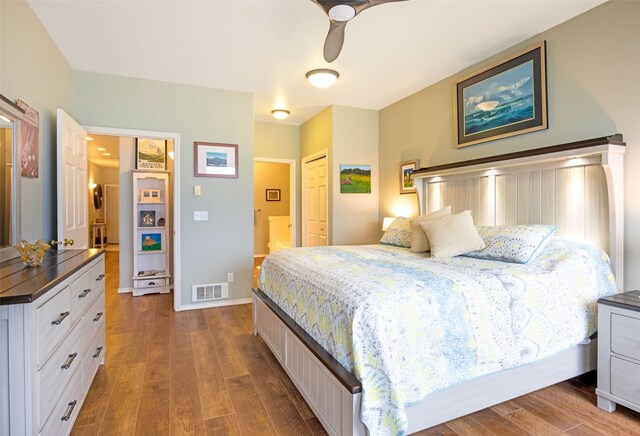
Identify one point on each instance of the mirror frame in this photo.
(10, 110)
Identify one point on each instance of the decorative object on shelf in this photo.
(97, 196)
(215, 160)
(355, 179)
(149, 196)
(406, 169)
(151, 272)
(151, 154)
(30, 150)
(273, 195)
(151, 242)
(147, 218)
(506, 99)
(161, 222)
(32, 254)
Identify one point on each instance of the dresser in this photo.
(52, 340)
(619, 351)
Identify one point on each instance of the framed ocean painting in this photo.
(506, 99)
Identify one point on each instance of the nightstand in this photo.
(619, 351)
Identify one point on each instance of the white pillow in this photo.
(419, 240)
(453, 235)
(398, 233)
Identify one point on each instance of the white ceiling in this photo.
(265, 47)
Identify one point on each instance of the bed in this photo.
(318, 325)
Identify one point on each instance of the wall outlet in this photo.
(197, 190)
(200, 215)
(230, 277)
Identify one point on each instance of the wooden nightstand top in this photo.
(627, 300)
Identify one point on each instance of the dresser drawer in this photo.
(82, 294)
(66, 409)
(93, 319)
(625, 380)
(57, 371)
(53, 322)
(625, 336)
(98, 276)
(151, 283)
(93, 356)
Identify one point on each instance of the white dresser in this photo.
(619, 351)
(52, 340)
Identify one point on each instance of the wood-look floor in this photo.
(202, 373)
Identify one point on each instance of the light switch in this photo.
(200, 215)
(197, 191)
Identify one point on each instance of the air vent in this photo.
(216, 291)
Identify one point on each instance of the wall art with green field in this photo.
(355, 179)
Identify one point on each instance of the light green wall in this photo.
(592, 66)
(316, 133)
(34, 70)
(209, 249)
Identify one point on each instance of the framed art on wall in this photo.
(273, 195)
(151, 154)
(406, 169)
(506, 99)
(355, 179)
(215, 160)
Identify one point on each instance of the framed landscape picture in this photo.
(151, 242)
(505, 99)
(355, 179)
(406, 169)
(151, 154)
(215, 160)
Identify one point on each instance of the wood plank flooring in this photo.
(203, 373)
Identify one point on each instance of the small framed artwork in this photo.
(215, 160)
(151, 242)
(151, 154)
(406, 169)
(355, 179)
(149, 196)
(506, 99)
(147, 218)
(273, 195)
(161, 222)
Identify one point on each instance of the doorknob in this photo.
(66, 242)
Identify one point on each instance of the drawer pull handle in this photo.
(100, 277)
(152, 283)
(70, 407)
(69, 361)
(98, 316)
(59, 319)
(97, 353)
(84, 293)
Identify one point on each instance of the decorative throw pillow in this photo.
(513, 243)
(398, 233)
(452, 235)
(419, 240)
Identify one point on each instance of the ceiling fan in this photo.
(340, 13)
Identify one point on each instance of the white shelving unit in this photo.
(151, 266)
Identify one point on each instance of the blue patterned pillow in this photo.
(398, 233)
(513, 243)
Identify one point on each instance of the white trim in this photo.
(175, 137)
(293, 193)
(303, 183)
(216, 304)
(125, 290)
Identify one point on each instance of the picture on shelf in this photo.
(147, 218)
(151, 242)
(149, 196)
(161, 222)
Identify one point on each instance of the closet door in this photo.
(316, 202)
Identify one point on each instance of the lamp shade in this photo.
(387, 222)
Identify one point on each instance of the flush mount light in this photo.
(106, 154)
(322, 77)
(89, 138)
(100, 148)
(342, 13)
(280, 114)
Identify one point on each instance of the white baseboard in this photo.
(125, 290)
(215, 304)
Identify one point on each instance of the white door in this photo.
(316, 202)
(72, 182)
(112, 212)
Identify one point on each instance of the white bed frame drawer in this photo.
(53, 322)
(625, 380)
(625, 336)
(68, 407)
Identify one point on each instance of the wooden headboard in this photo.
(578, 187)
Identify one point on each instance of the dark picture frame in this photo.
(273, 195)
(505, 99)
(212, 159)
(147, 218)
(406, 169)
(151, 154)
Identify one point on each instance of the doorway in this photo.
(315, 201)
(112, 215)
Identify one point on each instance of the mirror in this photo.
(10, 116)
(97, 197)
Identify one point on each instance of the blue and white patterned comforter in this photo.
(407, 325)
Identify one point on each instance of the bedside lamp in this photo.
(387, 222)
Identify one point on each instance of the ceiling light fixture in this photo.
(100, 149)
(280, 114)
(322, 77)
(89, 138)
(106, 154)
(342, 13)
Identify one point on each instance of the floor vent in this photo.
(216, 291)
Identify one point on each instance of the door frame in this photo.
(303, 209)
(293, 193)
(175, 137)
(106, 203)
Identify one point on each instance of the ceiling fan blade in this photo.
(335, 40)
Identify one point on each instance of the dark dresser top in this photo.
(627, 300)
(19, 284)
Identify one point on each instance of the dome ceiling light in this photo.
(280, 114)
(322, 77)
